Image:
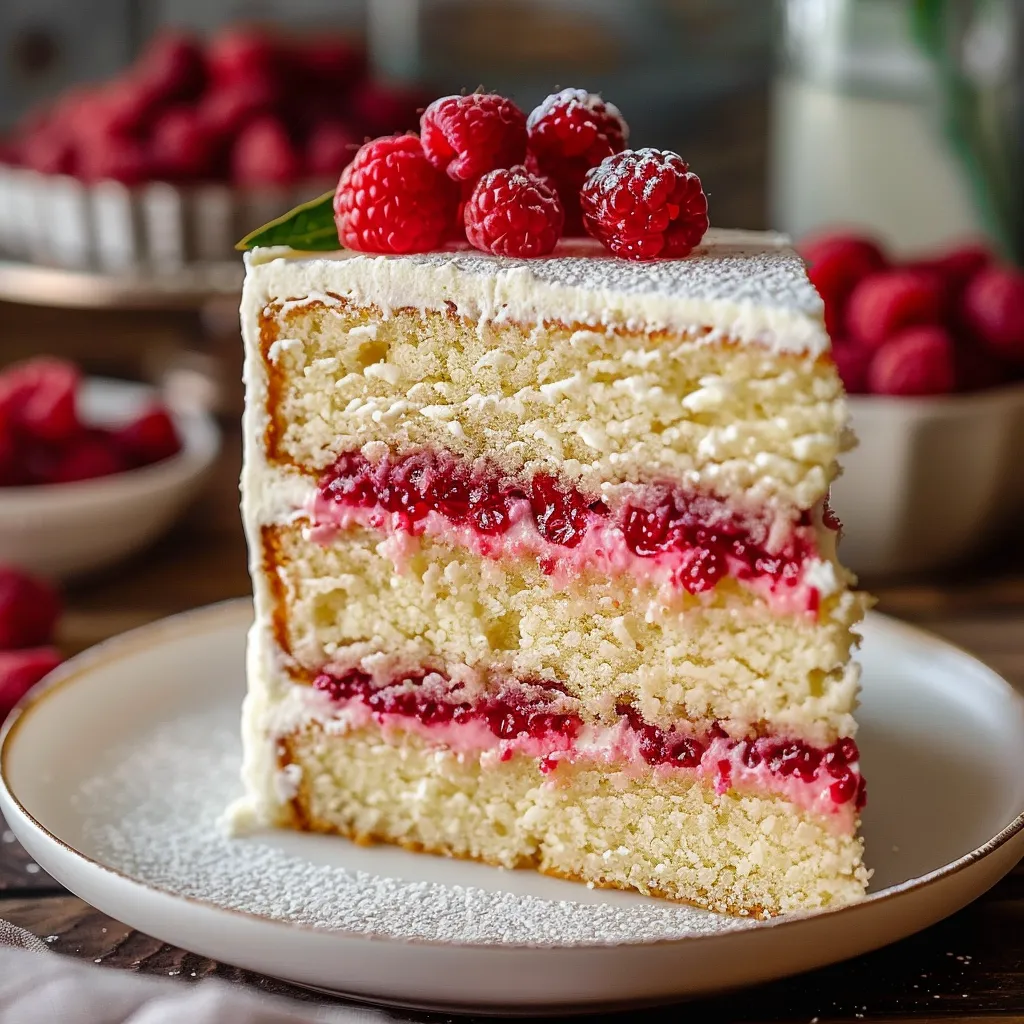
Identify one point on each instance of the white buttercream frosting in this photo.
(746, 286)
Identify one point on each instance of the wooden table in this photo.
(968, 968)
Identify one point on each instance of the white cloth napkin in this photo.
(39, 987)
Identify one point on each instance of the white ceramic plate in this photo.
(68, 529)
(114, 771)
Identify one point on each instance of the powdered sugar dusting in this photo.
(153, 813)
(573, 99)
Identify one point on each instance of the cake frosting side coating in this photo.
(749, 287)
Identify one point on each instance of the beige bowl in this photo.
(932, 481)
(60, 530)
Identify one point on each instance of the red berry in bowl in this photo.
(958, 266)
(978, 369)
(240, 52)
(885, 303)
(379, 109)
(333, 63)
(645, 203)
(86, 458)
(263, 154)
(852, 362)
(226, 109)
(149, 438)
(49, 151)
(917, 361)
(29, 608)
(513, 213)
(993, 309)
(390, 198)
(835, 266)
(20, 671)
(172, 66)
(181, 148)
(10, 471)
(859, 249)
(330, 148)
(114, 158)
(467, 136)
(38, 398)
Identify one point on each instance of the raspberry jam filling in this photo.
(534, 717)
(702, 539)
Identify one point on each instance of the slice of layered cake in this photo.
(544, 571)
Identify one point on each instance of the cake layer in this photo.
(654, 532)
(663, 834)
(593, 407)
(720, 656)
(541, 721)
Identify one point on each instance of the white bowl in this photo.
(932, 481)
(61, 530)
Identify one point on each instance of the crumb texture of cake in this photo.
(544, 570)
(593, 823)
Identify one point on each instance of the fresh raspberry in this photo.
(392, 199)
(575, 123)
(917, 361)
(151, 437)
(240, 52)
(226, 109)
(86, 458)
(10, 469)
(835, 265)
(570, 132)
(958, 266)
(852, 362)
(122, 107)
(467, 136)
(513, 213)
(115, 158)
(49, 151)
(993, 309)
(263, 155)
(20, 671)
(329, 148)
(978, 369)
(645, 203)
(181, 147)
(883, 304)
(858, 248)
(38, 399)
(172, 66)
(333, 63)
(29, 608)
(382, 109)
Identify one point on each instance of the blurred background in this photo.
(141, 138)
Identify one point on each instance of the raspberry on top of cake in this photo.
(543, 565)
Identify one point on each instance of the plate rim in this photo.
(210, 617)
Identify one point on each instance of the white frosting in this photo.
(747, 286)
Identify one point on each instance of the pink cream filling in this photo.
(536, 720)
(677, 539)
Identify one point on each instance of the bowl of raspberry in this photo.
(91, 469)
(931, 351)
(168, 162)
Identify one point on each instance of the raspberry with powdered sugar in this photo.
(645, 203)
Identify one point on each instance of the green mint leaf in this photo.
(308, 228)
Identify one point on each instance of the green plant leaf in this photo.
(308, 228)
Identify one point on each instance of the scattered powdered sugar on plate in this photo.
(151, 811)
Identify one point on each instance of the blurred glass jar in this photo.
(858, 132)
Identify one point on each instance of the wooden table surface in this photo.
(968, 968)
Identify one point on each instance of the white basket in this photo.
(60, 221)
